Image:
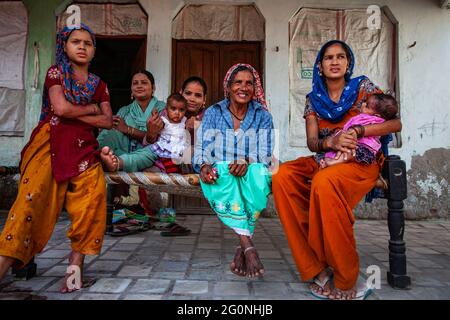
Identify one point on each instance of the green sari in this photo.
(122, 145)
(238, 201)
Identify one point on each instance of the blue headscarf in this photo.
(321, 102)
(76, 93)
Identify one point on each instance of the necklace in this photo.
(237, 116)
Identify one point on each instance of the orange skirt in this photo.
(316, 210)
(40, 200)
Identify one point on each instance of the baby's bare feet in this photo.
(109, 160)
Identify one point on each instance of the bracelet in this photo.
(204, 164)
(320, 145)
(128, 131)
(132, 132)
(360, 131)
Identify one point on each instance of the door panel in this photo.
(211, 61)
(233, 53)
(197, 59)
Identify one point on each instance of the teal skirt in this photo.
(238, 201)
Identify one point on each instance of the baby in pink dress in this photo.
(378, 109)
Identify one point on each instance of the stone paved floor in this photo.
(148, 266)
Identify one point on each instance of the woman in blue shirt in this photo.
(233, 153)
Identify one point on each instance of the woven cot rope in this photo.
(143, 179)
(149, 179)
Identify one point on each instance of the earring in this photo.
(132, 97)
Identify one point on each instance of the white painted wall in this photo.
(424, 70)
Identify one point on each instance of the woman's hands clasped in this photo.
(344, 143)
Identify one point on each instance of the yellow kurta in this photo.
(40, 200)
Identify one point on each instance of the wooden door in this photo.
(211, 61)
(232, 53)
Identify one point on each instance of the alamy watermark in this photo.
(374, 277)
(74, 19)
(374, 20)
(74, 281)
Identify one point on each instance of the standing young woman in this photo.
(60, 165)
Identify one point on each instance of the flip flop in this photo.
(363, 291)
(164, 226)
(176, 231)
(322, 285)
(121, 231)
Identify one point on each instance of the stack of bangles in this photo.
(360, 131)
(130, 131)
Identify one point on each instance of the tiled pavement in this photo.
(147, 266)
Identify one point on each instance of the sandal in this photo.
(164, 226)
(176, 231)
(322, 285)
(129, 229)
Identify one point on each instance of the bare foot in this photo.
(338, 294)
(110, 161)
(5, 264)
(238, 264)
(324, 290)
(74, 280)
(254, 265)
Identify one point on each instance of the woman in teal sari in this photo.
(233, 153)
(131, 122)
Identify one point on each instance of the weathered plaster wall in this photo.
(41, 17)
(424, 73)
(428, 189)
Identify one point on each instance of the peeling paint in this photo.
(431, 184)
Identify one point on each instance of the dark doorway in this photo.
(116, 59)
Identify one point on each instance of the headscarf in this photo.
(140, 118)
(75, 92)
(259, 91)
(321, 102)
